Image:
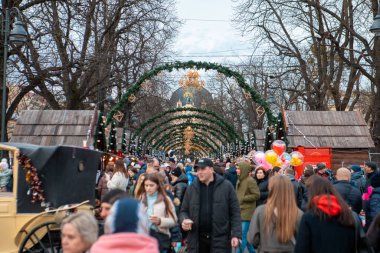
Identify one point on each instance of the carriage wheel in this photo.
(45, 238)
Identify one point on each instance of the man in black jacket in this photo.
(349, 193)
(210, 212)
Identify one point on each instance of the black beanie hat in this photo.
(176, 172)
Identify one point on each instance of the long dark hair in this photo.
(154, 177)
(319, 186)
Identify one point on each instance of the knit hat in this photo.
(321, 166)
(176, 172)
(375, 181)
(356, 168)
(127, 216)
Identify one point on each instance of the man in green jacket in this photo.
(248, 193)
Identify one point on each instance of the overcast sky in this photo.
(207, 30)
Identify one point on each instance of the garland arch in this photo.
(183, 109)
(174, 128)
(191, 64)
(232, 135)
(179, 134)
(195, 141)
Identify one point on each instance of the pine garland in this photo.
(124, 141)
(232, 135)
(253, 141)
(100, 137)
(268, 139)
(280, 129)
(198, 65)
(112, 142)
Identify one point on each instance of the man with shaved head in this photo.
(349, 192)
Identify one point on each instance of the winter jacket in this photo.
(247, 192)
(373, 207)
(304, 193)
(358, 180)
(264, 242)
(180, 187)
(350, 194)
(263, 187)
(167, 221)
(373, 233)
(226, 222)
(102, 185)
(297, 190)
(118, 181)
(125, 243)
(231, 176)
(325, 234)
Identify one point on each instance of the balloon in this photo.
(271, 157)
(279, 147)
(266, 165)
(259, 157)
(285, 157)
(297, 158)
(279, 162)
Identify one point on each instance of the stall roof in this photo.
(336, 129)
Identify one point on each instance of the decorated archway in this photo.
(187, 65)
(164, 130)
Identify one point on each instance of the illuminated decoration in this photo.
(132, 98)
(188, 135)
(192, 81)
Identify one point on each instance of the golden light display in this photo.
(192, 80)
(188, 135)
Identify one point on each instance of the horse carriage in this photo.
(49, 183)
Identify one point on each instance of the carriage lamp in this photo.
(17, 37)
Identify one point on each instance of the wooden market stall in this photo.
(345, 132)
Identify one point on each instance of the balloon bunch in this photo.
(277, 157)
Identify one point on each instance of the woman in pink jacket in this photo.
(126, 230)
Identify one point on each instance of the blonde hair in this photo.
(281, 208)
(86, 225)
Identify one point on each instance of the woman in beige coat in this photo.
(159, 209)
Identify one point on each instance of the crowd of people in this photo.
(148, 205)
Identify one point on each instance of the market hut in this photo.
(342, 135)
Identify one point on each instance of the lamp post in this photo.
(16, 36)
(375, 28)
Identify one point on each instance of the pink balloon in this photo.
(266, 165)
(259, 157)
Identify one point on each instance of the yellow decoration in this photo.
(191, 80)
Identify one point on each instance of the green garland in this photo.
(208, 129)
(280, 129)
(170, 136)
(186, 65)
(175, 145)
(198, 141)
(183, 109)
(232, 135)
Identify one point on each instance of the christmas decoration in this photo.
(124, 141)
(247, 148)
(196, 112)
(268, 139)
(280, 129)
(112, 144)
(198, 65)
(32, 178)
(253, 140)
(100, 138)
